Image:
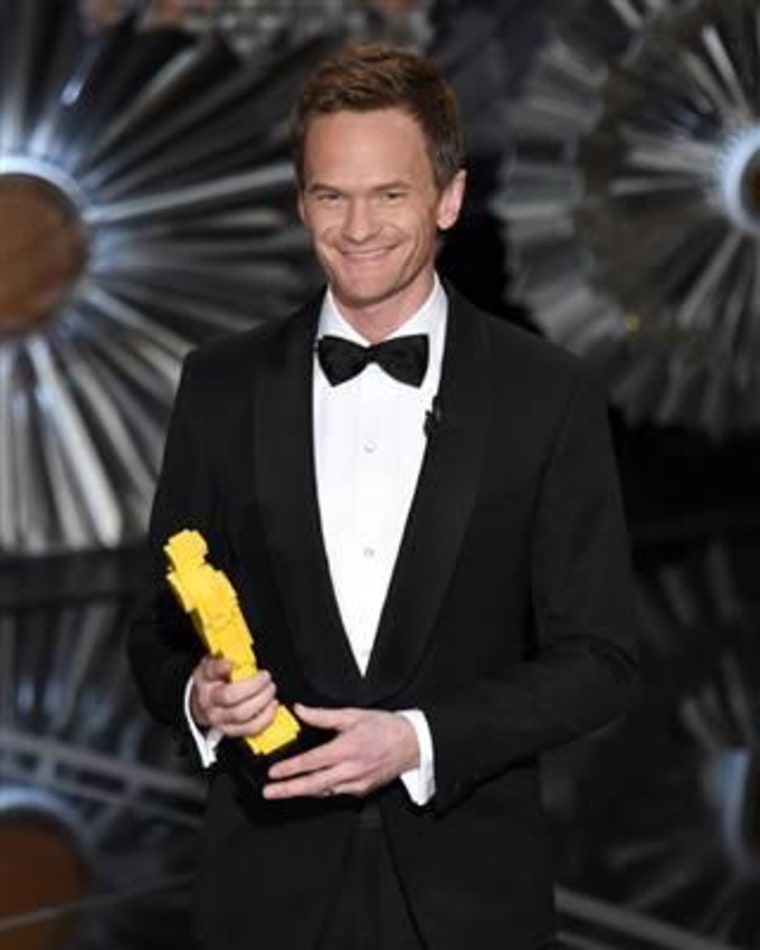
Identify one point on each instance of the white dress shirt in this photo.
(369, 442)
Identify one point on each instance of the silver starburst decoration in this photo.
(632, 202)
(97, 819)
(145, 205)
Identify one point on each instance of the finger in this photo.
(233, 694)
(327, 718)
(215, 668)
(317, 785)
(254, 726)
(354, 789)
(325, 756)
(244, 711)
(198, 705)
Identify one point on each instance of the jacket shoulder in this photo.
(229, 356)
(524, 358)
(518, 345)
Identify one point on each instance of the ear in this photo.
(450, 201)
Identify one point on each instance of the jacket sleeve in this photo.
(584, 612)
(162, 646)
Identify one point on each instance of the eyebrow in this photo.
(397, 185)
(320, 186)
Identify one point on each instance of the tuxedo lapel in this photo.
(285, 485)
(286, 490)
(440, 510)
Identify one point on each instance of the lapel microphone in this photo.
(433, 418)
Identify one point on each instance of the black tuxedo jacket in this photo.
(509, 621)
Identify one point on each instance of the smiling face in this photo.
(370, 201)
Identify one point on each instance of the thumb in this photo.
(216, 667)
(338, 719)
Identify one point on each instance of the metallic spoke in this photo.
(82, 459)
(260, 183)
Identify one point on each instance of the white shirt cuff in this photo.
(205, 742)
(420, 781)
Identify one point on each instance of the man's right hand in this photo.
(244, 708)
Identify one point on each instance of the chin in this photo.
(362, 295)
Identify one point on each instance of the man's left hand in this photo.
(372, 748)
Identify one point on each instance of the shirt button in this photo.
(370, 445)
(369, 553)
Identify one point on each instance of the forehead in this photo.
(365, 146)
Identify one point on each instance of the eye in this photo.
(392, 195)
(328, 197)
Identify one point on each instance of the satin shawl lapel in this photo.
(287, 500)
(440, 510)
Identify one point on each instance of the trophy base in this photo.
(251, 770)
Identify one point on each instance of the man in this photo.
(427, 541)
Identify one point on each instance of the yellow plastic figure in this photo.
(206, 594)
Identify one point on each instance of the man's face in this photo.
(370, 201)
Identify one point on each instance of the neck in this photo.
(376, 322)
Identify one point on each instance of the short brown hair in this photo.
(370, 76)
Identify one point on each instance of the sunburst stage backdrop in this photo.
(633, 203)
(146, 206)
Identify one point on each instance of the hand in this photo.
(244, 708)
(372, 748)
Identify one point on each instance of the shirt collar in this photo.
(429, 319)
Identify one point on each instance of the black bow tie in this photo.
(405, 358)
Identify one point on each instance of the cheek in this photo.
(427, 235)
(323, 235)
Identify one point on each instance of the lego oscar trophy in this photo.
(210, 600)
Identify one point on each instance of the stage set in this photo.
(147, 206)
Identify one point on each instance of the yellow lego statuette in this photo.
(207, 595)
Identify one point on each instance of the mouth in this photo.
(367, 255)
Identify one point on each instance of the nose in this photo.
(359, 223)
